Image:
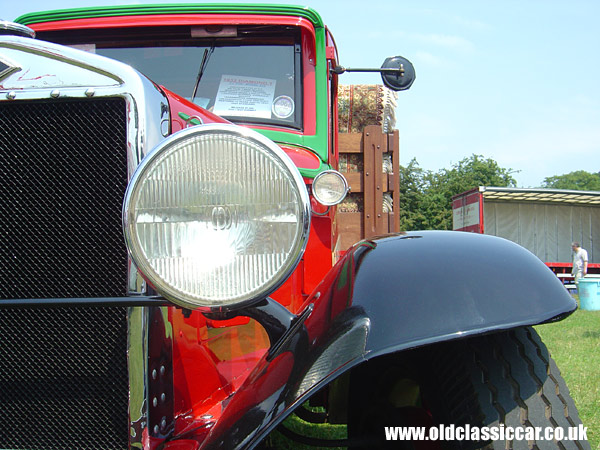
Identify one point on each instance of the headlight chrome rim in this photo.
(136, 184)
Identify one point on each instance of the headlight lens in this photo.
(330, 187)
(217, 216)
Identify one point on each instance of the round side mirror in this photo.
(398, 74)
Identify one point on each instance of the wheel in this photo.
(499, 380)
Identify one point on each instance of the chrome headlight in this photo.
(330, 187)
(216, 216)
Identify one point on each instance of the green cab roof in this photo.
(172, 8)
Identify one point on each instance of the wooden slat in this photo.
(350, 142)
(391, 220)
(350, 228)
(369, 143)
(375, 143)
(381, 225)
(355, 181)
(349, 222)
(391, 180)
(394, 182)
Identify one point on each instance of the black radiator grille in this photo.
(63, 379)
(63, 167)
(63, 371)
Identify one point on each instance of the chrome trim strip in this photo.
(17, 28)
(137, 360)
(49, 72)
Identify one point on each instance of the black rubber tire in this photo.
(505, 378)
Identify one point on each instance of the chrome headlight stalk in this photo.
(216, 217)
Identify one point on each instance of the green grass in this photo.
(322, 431)
(574, 344)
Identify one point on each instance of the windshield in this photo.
(253, 83)
(245, 73)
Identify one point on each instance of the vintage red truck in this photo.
(168, 264)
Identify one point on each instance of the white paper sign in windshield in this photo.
(245, 96)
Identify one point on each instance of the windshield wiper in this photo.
(203, 64)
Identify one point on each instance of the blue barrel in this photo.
(589, 293)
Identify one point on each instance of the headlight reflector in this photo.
(216, 216)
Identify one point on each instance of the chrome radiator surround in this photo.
(39, 71)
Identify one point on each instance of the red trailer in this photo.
(544, 221)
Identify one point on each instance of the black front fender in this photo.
(425, 287)
(387, 295)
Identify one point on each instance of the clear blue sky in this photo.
(517, 81)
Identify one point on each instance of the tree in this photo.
(580, 180)
(411, 196)
(426, 197)
(467, 174)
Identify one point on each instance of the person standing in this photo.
(580, 262)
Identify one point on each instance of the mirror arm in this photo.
(397, 73)
(340, 70)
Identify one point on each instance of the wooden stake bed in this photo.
(364, 213)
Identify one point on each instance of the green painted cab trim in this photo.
(315, 144)
(173, 8)
(312, 173)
